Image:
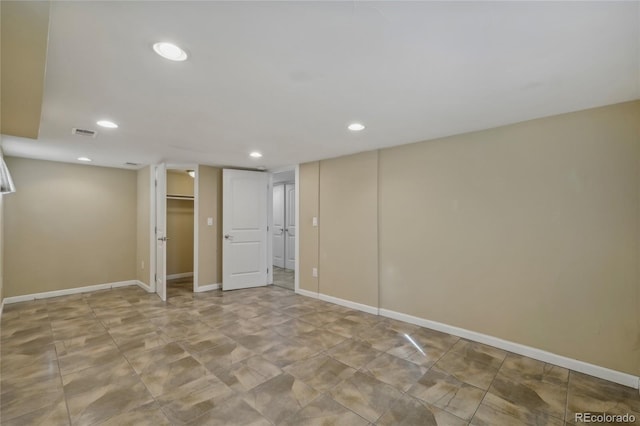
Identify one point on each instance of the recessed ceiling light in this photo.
(255, 154)
(191, 173)
(108, 124)
(170, 51)
(355, 127)
(84, 159)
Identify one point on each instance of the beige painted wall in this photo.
(24, 32)
(309, 183)
(180, 217)
(143, 254)
(68, 226)
(348, 243)
(209, 237)
(180, 234)
(527, 232)
(179, 183)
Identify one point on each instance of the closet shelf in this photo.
(179, 197)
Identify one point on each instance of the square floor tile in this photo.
(365, 395)
(445, 391)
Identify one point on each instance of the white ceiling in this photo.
(286, 78)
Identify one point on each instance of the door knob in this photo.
(163, 239)
(228, 237)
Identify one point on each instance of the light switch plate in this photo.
(314, 221)
(314, 272)
(210, 221)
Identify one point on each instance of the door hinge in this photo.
(267, 229)
(267, 271)
(155, 277)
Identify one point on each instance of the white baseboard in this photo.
(68, 291)
(349, 304)
(144, 286)
(208, 287)
(539, 354)
(182, 275)
(307, 293)
(337, 301)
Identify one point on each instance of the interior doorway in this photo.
(284, 229)
(180, 231)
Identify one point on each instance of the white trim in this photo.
(270, 230)
(124, 283)
(283, 168)
(182, 275)
(349, 304)
(68, 291)
(196, 227)
(144, 286)
(337, 301)
(296, 273)
(207, 287)
(152, 227)
(307, 293)
(1, 309)
(539, 354)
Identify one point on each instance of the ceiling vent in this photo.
(130, 164)
(84, 132)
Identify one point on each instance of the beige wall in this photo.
(24, 32)
(180, 217)
(179, 183)
(209, 237)
(528, 232)
(180, 234)
(143, 254)
(348, 249)
(68, 226)
(309, 183)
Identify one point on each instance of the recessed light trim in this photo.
(255, 154)
(170, 51)
(86, 159)
(106, 123)
(355, 127)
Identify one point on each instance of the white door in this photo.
(161, 230)
(244, 226)
(278, 226)
(290, 228)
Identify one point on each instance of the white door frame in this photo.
(278, 187)
(152, 228)
(160, 232)
(289, 219)
(196, 180)
(152, 221)
(296, 273)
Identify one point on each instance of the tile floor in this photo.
(267, 356)
(283, 278)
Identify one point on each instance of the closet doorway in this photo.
(180, 231)
(284, 229)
